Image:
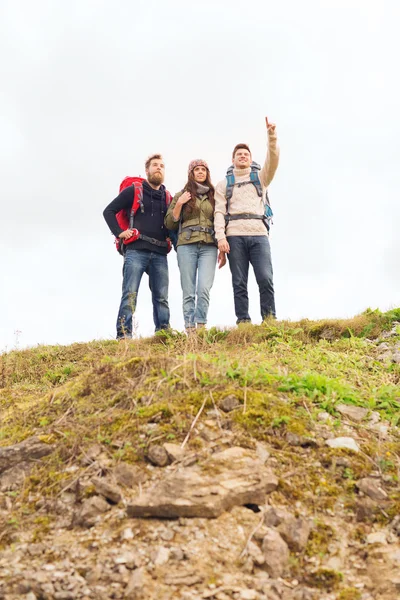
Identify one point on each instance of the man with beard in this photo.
(148, 255)
(241, 227)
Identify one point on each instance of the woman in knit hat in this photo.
(191, 212)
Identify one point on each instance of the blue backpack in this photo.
(255, 180)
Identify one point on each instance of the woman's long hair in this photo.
(191, 186)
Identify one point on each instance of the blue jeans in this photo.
(196, 262)
(254, 250)
(137, 262)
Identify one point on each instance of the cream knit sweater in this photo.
(245, 198)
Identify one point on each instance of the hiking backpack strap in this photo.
(230, 184)
(255, 178)
(137, 202)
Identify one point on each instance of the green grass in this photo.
(125, 395)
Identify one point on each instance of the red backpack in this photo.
(125, 220)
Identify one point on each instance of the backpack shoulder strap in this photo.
(137, 202)
(255, 178)
(230, 183)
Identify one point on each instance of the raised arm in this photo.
(271, 162)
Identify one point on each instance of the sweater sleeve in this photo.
(169, 221)
(123, 201)
(220, 210)
(271, 162)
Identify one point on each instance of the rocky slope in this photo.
(257, 463)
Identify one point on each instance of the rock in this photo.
(374, 417)
(107, 489)
(127, 534)
(273, 517)
(89, 512)
(174, 451)
(255, 554)
(136, 584)
(128, 475)
(127, 558)
(263, 453)
(365, 509)
(347, 443)
(355, 413)
(295, 532)
(324, 416)
(30, 449)
(300, 440)
(158, 456)
(377, 537)
(276, 553)
(371, 488)
(161, 556)
(396, 357)
(395, 525)
(229, 403)
(167, 535)
(248, 594)
(14, 478)
(90, 455)
(196, 491)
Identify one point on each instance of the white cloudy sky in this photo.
(91, 87)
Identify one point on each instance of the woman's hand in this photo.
(185, 197)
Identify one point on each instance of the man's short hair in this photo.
(239, 147)
(150, 158)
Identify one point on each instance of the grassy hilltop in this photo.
(291, 382)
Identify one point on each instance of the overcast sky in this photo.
(90, 88)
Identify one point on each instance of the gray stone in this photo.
(158, 456)
(136, 584)
(295, 532)
(276, 553)
(347, 443)
(234, 477)
(262, 452)
(300, 440)
(89, 512)
(30, 449)
(371, 488)
(107, 489)
(161, 556)
(229, 403)
(128, 475)
(355, 413)
(377, 537)
(174, 451)
(14, 478)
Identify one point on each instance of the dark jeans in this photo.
(254, 250)
(137, 262)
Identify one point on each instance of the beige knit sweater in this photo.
(245, 198)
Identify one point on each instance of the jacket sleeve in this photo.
(169, 221)
(271, 162)
(220, 210)
(123, 201)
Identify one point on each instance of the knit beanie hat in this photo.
(197, 162)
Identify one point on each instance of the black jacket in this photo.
(150, 222)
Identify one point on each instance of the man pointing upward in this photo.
(241, 228)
